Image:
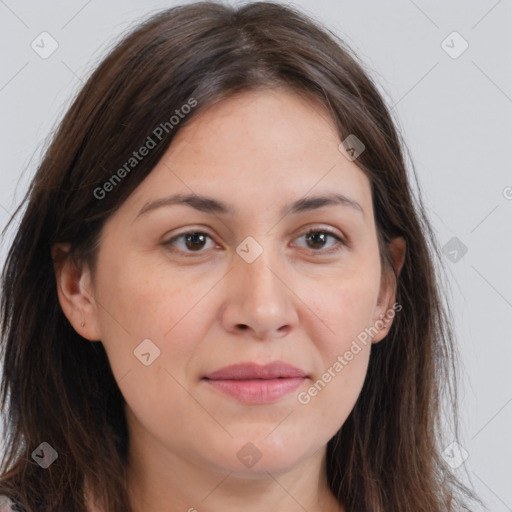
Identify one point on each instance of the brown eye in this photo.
(194, 241)
(316, 240)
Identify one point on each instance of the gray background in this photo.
(455, 114)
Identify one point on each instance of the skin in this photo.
(258, 152)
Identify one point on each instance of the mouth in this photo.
(251, 383)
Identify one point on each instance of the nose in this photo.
(258, 300)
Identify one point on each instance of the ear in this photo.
(386, 309)
(74, 289)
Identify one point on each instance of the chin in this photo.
(257, 458)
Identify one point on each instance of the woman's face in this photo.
(250, 287)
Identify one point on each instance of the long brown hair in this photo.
(58, 387)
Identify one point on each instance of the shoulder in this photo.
(8, 505)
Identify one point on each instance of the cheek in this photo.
(343, 353)
(330, 398)
(140, 305)
(149, 302)
(343, 308)
(341, 322)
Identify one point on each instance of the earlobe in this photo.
(74, 291)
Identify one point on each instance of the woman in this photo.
(221, 293)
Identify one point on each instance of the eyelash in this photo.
(338, 246)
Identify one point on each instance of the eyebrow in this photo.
(211, 205)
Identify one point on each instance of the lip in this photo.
(251, 383)
(245, 371)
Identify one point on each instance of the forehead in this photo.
(266, 146)
(267, 123)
